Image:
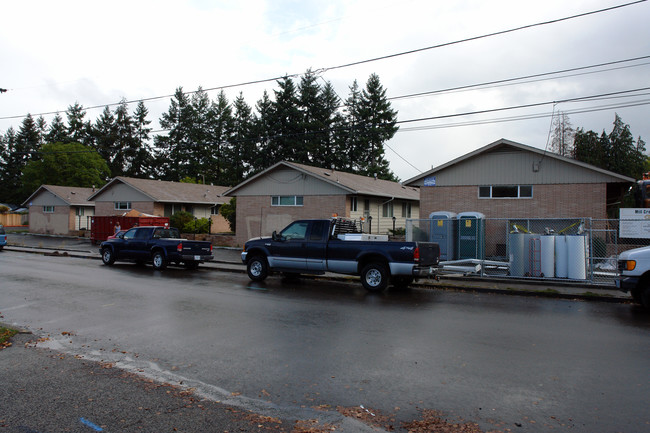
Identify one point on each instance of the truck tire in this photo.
(644, 298)
(158, 260)
(374, 277)
(257, 268)
(108, 258)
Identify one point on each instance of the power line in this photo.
(322, 70)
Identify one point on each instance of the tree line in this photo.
(212, 141)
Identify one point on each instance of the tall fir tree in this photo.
(217, 163)
(104, 137)
(266, 152)
(57, 132)
(78, 130)
(125, 146)
(173, 156)
(285, 135)
(242, 150)
(141, 165)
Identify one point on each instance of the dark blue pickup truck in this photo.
(336, 245)
(156, 244)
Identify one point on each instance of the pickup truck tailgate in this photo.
(429, 253)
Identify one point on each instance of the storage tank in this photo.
(443, 231)
(548, 255)
(561, 257)
(577, 257)
(516, 253)
(471, 235)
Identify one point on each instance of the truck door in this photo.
(288, 252)
(135, 244)
(316, 246)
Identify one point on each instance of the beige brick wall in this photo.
(256, 216)
(549, 201)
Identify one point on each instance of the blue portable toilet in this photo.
(443, 231)
(471, 236)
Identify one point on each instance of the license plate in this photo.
(197, 257)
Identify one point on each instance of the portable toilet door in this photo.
(444, 226)
(471, 235)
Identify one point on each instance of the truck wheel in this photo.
(637, 295)
(257, 268)
(108, 257)
(159, 261)
(374, 277)
(645, 298)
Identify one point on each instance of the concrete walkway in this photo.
(228, 260)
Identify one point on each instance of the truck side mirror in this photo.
(274, 236)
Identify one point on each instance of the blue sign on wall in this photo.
(430, 181)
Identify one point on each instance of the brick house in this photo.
(59, 210)
(510, 180)
(288, 191)
(161, 198)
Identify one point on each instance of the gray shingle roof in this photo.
(73, 196)
(172, 192)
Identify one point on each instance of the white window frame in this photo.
(387, 210)
(406, 210)
(287, 200)
(118, 205)
(48, 209)
(519, 195)
(354, 204)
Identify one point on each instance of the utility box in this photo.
(471, 235)
(444, 232)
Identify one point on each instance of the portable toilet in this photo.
(471, 236)
(443, 231)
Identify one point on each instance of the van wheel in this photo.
(159, 262)
(257, 268)
(374, 277)
(108, 258)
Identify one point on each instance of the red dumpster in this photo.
(102, 227)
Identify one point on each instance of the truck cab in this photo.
(634, 269)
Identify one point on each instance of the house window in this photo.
(48, 209)
(406, 210)
(286, 200)
(214, 210)
(366, 207)
(80, 211)
(387, 210)
(505, 191)
(353, 204)
(122, 205)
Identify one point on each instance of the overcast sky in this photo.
(56, 53)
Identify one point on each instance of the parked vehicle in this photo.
(634, 268)
(159, 245)
(3, 237)
(102, 227)
(336, 245)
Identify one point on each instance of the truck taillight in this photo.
(416, 254)
(179, 247)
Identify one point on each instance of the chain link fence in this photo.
(563, 249)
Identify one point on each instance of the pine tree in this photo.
(217, 162)
(78, 131)
(141, 165)
(310, 106)
(377, 126)
(173, 157)
(242, 150)
(125, 146)
(57, 132)
(104, 137)
(266, 154)
(285, 134)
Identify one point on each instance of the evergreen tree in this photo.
(21, 148)
(77, 130)
(104, 137)
(242, 150)
(354, 142)
(285, 134)
(215, 161)
(125, 146)
(9, 171)
(141, 165)
(311, 108)
(57, 133)
(331, 145)
(266, 153)
(174, 150)
(377, 122)
(41, 126)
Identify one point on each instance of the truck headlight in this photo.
(630, 265)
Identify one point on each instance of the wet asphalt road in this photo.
(523, 363)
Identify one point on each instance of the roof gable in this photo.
(71, 195)
(347, 183)
(505, 159)
(168, 192)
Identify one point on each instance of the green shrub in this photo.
(180, 219)
(200, 225)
